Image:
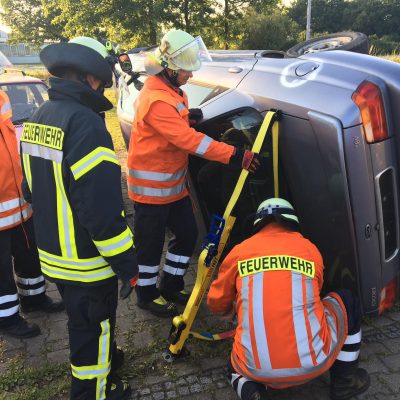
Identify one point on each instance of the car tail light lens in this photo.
(368, 98)
(388, 295)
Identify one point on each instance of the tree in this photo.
(326, 15)
(274, 31)
(29, 21)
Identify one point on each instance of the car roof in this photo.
(18, 77)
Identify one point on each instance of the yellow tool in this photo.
(211, 253)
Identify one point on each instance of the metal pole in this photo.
(308, 28)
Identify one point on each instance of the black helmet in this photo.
(82, 53)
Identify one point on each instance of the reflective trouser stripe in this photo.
(147, 281)
(351, 348)
(174, 270)
(66, 230)
(177, 258)
(115, 245)
(100, 371)
(12, 308)
(148, 275)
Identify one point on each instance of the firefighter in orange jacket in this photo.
(286, 335)
(161, 140)
(17, 243)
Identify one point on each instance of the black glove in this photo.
(195, 115)
(127, 287)
(245, 159)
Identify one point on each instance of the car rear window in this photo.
(25, 98)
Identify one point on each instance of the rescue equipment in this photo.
(213, 247)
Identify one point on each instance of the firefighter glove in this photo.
(127, 287)
(245, 159)
(195, 115)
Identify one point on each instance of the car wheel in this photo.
(350, 41)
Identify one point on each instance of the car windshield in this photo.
(25, 98)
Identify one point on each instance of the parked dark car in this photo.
(339, 149)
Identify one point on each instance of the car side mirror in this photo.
(125, 63)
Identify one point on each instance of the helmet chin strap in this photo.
(173, 78)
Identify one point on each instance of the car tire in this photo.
(350, 41)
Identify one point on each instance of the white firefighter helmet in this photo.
(275, 206)
(178, 50)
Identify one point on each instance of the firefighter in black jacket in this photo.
(72, 178)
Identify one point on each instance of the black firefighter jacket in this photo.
(73, 180)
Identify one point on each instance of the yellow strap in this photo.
(275, 157)
(182, 324)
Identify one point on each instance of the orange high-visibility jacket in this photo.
(13, 208)
(160, 142)
(286, 335)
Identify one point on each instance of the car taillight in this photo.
(368, 98)
(388, 295)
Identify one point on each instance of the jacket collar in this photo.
(63, 89)
(158, 82)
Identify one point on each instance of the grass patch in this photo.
(44, 382)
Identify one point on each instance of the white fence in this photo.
(20, 53)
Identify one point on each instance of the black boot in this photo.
(120, 390)
(46, 304)
(159, 307)
(117, 359)
(346, 386)
(180, 297)
(21, 329)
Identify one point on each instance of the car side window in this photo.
(199, 93)
(215, 182)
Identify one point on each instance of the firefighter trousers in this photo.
(91, 314)
(150, 224)
(19, 255)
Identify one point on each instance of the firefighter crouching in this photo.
(286, 335)
(18, 252)
(73, 180)
(160, 143)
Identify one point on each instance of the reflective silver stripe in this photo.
(246, 341)
(241, 382)
(146, 191)
(29, 281)
(31, 292)
(353, 339)
(157, 176)
(174, 271)
(299, 321)
(177, 258)
(348, 356)
(180, 107)
(10, 204)
(79, 373)
(84, 277)
(316, 341)
(5, 107)
(97, 262)
(203, 146)
(8, 298)
(149, 269)
(14, 218)
(104, 350)
(65, 225)
(259, 325)
(42, 151)
(147, 282)
(93, 160)
(9, 311)
(332, 326)
(119, 245)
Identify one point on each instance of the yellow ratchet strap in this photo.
(181, 324)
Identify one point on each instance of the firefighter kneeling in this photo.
(286, 334)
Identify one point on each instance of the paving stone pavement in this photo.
(200, 375)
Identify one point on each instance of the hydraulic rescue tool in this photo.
(213, 247)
